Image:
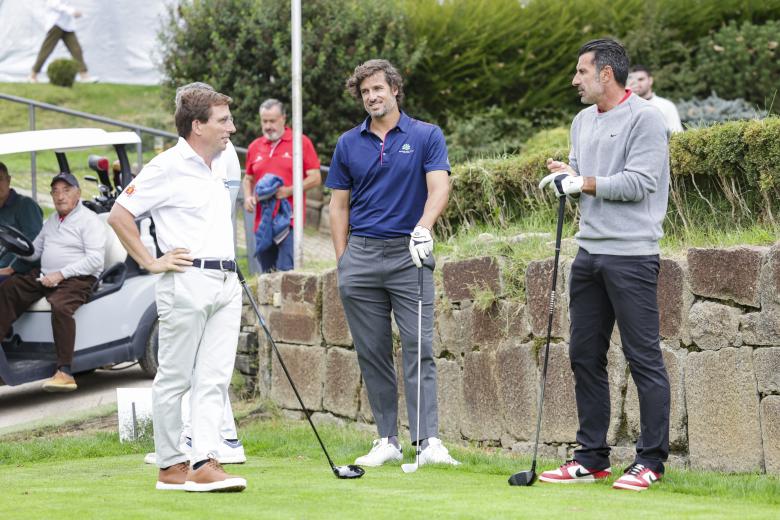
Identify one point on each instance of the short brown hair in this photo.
(195, 104)
(370, 68)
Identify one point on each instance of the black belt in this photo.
(220, 265)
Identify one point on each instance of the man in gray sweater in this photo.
(619, 170)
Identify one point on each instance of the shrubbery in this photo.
(242, 48)
(62, 72)
(714, 109)
(461, 57)
(727, 173)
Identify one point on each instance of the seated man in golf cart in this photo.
(21, 213)
(71, 249)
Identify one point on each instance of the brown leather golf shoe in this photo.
(211, 477)
(60, 382)
(173, 477)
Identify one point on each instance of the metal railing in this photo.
(32, 105)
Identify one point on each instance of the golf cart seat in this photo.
(114, 269)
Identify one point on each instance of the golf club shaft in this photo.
(419, 355)
(558, 233)
(281, 363)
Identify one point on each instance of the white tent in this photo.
(119, 38)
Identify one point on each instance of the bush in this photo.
(723, 175)
(742, 62)
(62, 72)
(486, 134)
(703, 112)
(242, 48)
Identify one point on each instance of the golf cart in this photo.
(119, 322)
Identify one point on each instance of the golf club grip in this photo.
(281, 362)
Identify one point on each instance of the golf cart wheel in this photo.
(148, 362)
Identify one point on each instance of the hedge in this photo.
(727, 173)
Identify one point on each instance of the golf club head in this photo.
(523, 478)
(409, 468)
(349, 471)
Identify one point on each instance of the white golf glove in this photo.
(421, 245)
(563, 184)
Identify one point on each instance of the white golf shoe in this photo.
(436, 453)
(382, 451)
(230, 452)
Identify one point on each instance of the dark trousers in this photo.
(603, 289)
(20, 291)
(278, 257)
(377, 277)
(53, 37)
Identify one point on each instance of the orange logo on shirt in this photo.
(130, 190)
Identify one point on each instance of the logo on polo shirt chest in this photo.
(406, 148)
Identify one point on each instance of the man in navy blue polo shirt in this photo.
(390, 183)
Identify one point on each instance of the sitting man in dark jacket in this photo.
(21, 213)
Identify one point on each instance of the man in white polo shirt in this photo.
(187, 191)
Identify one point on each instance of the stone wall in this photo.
(720, 327)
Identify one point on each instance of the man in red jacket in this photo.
(272, 153)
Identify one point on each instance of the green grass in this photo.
(91, 475)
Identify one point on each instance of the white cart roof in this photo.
(62, 139)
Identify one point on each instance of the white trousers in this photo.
(227, 429)
(199, 320)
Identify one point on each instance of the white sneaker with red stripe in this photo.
(574, 473)
(637, 478)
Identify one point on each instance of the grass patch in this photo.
(91, 475)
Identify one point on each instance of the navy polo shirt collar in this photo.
(402, 125)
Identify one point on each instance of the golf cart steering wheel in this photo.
(11, 239)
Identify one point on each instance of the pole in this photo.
(297, 135)
(33, 161)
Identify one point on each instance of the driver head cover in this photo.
(66, 177)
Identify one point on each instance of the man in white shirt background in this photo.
(640, 81)
(61, 25)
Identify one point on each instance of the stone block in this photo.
(319, 418)
(481, 408)
(675, 361)
(770, 277)
(559, 417)
(342, 382)
(767, 364)
(724, 431)
(761, 328)
(307, 368)
(248, 316)
(488, 326)
(454, 327)
(517, 326)
(545, 451)
(295, 327)
(267, 286)
(727, 274)
(300, 288)
(770, 427)
(713, 325)
(463, 278)
(538, 281)
(334, 323)
(674, 298)
(517, 377)
(246, 364)
(247, 342)
(450, 397)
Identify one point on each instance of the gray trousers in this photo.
(375, 278)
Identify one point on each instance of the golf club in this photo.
(411, 468)
(527, 478)
(348, 471)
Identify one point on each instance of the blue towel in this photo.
(273, 228)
